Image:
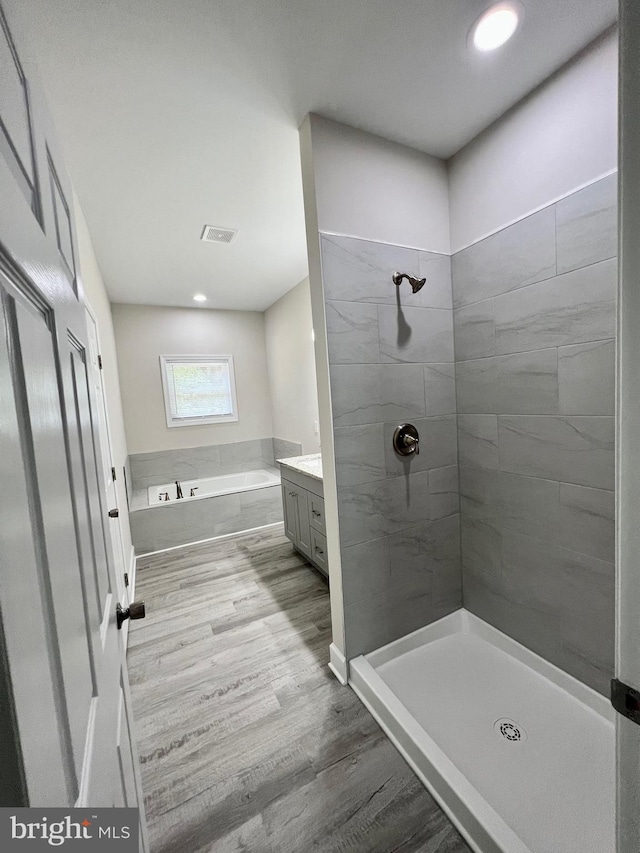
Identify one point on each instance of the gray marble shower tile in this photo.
(372, 393)
(587, 521)
(382, 618)
(570, 449)
(495, 601)
(359, 454)
(480, 494)
(481, 546)
(514, 257)
(586, 375)
(474, 330)
(587, 225)
(532, 570)
(527, 383)
(576, 307)
(366, 570)
(370, 510)
(437, 292)
(478, 440)
(440, 543)
(438, 446)
(440, 389)
(476, 385)
(443, 491)
(356, 270)
(415, 334)
(529, 505)
(352, 333)
(587, 613)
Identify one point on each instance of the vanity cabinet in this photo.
(304, 523)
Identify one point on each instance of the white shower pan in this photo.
(518, 753)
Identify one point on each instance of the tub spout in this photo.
(178, 490)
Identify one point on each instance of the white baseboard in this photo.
(338, 664)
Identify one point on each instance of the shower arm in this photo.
(416, 283)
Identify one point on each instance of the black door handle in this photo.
(135, 610)
(113, 513)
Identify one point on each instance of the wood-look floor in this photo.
(247, 742)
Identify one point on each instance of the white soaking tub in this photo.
(208, 487)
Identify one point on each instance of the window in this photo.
(198, 389)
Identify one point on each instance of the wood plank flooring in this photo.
(247, 742)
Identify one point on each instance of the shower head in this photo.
(416, 283)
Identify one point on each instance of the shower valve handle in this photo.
(406, 440)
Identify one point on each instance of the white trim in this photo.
(382, 242)
(174, 421)
(211, 539)
(535, 210)
(338, 664)
(484, 236)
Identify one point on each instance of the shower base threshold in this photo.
(519, 754)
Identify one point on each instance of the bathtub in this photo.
(222, 505)
(225, 484)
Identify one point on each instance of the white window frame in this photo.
(172, 421)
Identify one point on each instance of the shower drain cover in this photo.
(509, 730)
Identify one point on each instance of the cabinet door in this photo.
(316, 513)
(290, 510)
(304, 529)
(319, 551)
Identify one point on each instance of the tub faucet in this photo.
(178, 491)
(193, 491)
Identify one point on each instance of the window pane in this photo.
(200, 390)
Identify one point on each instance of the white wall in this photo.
(563, 136)
(371, 188)
(292, 369)
(96, 295)
(143, 333)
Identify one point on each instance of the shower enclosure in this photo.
(473, 583)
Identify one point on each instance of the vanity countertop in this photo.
(311, 465)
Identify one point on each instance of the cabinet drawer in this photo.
(316, 513)
(319, 550)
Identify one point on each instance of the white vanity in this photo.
(303, 505)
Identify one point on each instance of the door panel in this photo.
(64, 670)
(30, 672)
(15, 126)
(61, 536)
(89, 481)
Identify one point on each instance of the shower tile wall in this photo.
(391, 360)
(534, 318)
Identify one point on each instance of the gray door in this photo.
(63, 681)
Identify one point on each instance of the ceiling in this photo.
(177, 113)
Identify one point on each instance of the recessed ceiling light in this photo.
(199, 297)
(496, 26)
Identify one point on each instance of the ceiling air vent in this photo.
(216, 234)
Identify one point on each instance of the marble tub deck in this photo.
(246, 740)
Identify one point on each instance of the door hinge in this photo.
(113, 474)
(626, 700)
(100, 362)
(126, 578)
